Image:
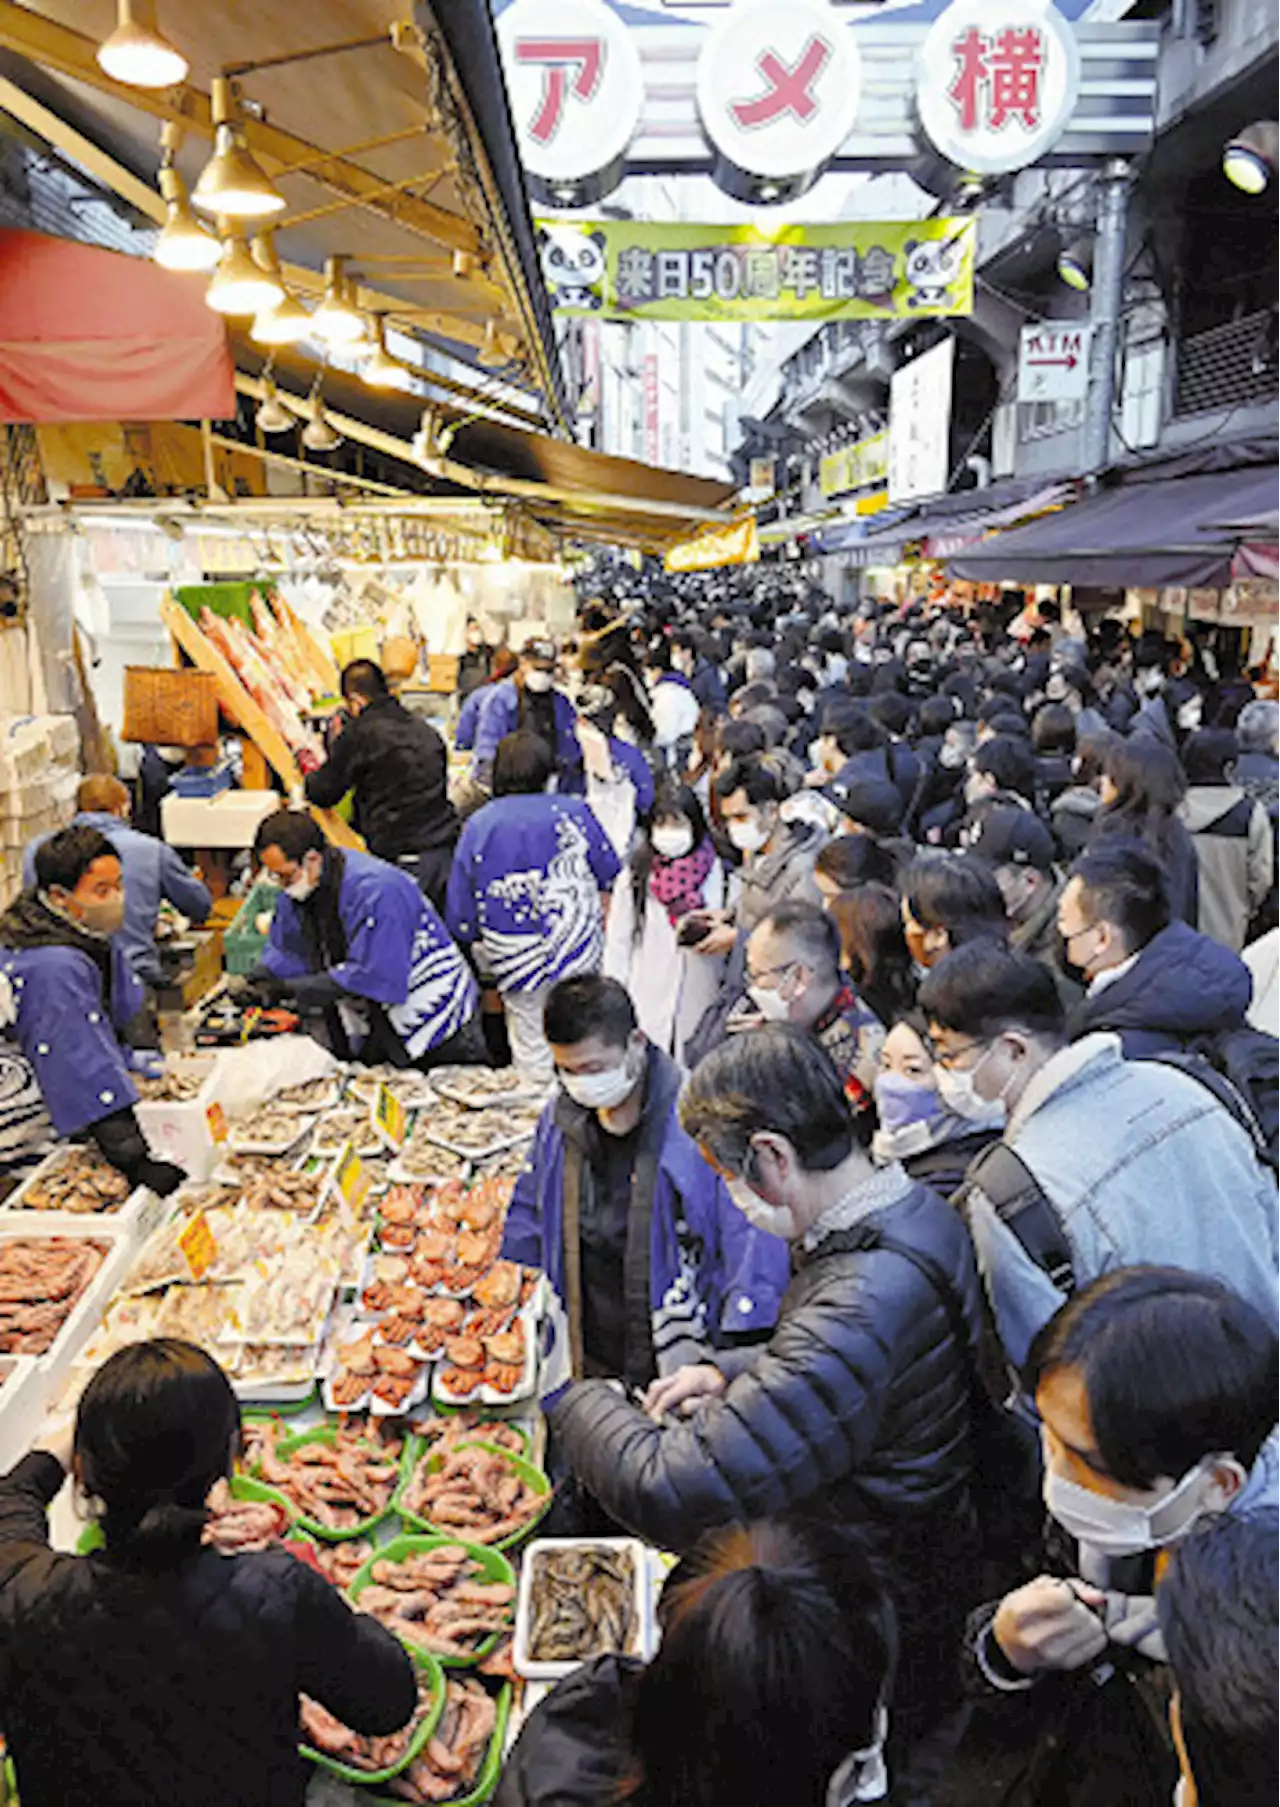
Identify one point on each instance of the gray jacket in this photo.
(1141, 1164)
(1232, 839)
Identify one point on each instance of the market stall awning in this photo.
(87, 334)
(945, 524)
(1144, 533)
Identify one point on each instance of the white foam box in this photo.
(180, 1132)
(228, 820)
(134, 1221)
(56, 1364)
(646, 1635)
(23, 1397)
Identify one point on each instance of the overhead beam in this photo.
(70, 53)
(104, 168)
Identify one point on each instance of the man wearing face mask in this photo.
(67, 990)
(528, 702)
(794, 976)
(638, 1236)
(354, 942)
(856, 1412)
(1020, 852)
(1104, 1162)
(1156, 1391)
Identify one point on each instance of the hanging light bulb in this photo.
(320, 434)
(1249, 160)
(337, 319)
(491, 352)
(232, 182)
(137, 53)
(288, 322)
(380, 370)
(239, 285)
(183, 244)
(272, 415)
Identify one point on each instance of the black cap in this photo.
(1011, 836)
(539, 649)
(870, 802)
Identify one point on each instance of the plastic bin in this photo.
(242, 944)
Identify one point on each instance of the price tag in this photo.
(389, 1117)
(351, 1181)
(199, 1245)
(216, 1118)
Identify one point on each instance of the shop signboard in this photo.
(651, 407)
(855, 466)
(735, 544)
(857, 270)
(920, 424)
(1053, 362)
(763, 480)
(998, 83)
(779, 82)
(575, 86)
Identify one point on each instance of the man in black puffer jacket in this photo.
(856, 1411)
(397, 767)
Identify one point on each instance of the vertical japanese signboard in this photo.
(920, 424)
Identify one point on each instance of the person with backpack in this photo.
(1104, 1162)
(1156, 1392)
(1231, 836)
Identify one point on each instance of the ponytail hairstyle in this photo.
(157, 1426)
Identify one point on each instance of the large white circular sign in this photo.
(997, 83)
(778, 85)
(575, 84)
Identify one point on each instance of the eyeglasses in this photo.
(947, 1057)
(769, 971)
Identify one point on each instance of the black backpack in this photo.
(1240, 1067)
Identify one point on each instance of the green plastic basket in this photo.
(242, 1486)
(365, 1777)
(415, 1450)
(490, 1769)
(242, 945)
(493, 1566)
(326, 1433)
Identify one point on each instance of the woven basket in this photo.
(170, 707)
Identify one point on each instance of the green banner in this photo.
(858, 270)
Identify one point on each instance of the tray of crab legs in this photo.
(438, 1312)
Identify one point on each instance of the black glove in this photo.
(125, 1147)
(263, 987)
(315, 991)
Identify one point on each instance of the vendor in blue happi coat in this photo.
(528, 702)
(354, 941)
(67, 992)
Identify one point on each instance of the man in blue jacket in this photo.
(354, 941)
(528, 702)
(1155, 983)
(654, 1264)
(153, 873)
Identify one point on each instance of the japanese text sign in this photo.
(1053, 362)
(216, 1118)
(778, 86)
(389, 1117)
(998, 83)
(199, 1246)
(575, 84)
(860, 269)
(855, 466)
(351, 1181)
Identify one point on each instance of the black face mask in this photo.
(1076, 974)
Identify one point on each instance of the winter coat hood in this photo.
(1182, 984)
(1205, 804)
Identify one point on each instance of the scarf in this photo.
(30, 921)
(677, 884)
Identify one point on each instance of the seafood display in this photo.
(237, 1526)
(272, 1189)
(41, 1282)
(471, 1492)
(74, 1180)
(311, 1095)
(480, 1086)
(582, 1603)
(356, 1749)
(508, 1165)
(439, 1600)
(342, 1562)
(466, 1427)
(471, 1132)
(338, 1481)
(414, 1090)
(177, 1085)
(268, 1130)
(335, 1130)
(422, 1159)
(452, 1759)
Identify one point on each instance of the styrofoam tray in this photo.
(23, 1398)
(57, 1361)
(485, 1395)
(454, 1090)
(136, 1216)
(646, 1637)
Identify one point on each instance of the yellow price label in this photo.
(389, 1118)
(199, 1246)
(216, 1118)
(352, 1181)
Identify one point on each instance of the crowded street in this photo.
(639, 904)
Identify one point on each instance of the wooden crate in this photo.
(442, 673)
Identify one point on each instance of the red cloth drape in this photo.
(87, 334)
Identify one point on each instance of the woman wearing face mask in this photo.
(917, 1124)
(770, 1685)
(1156, 1390)
(67, 992)
(1142, 788)
(674, 873)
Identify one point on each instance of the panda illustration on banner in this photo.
(573, 266)
(930, 268)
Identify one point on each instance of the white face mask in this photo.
(302, 887)
(759, 1213)
(958, 1092)
(773, 1007)
(748, 835)
(863, 1776)
(1191, 715)
(601, 1091)
(1120, 1528)
(539, 682)
(673, 842)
